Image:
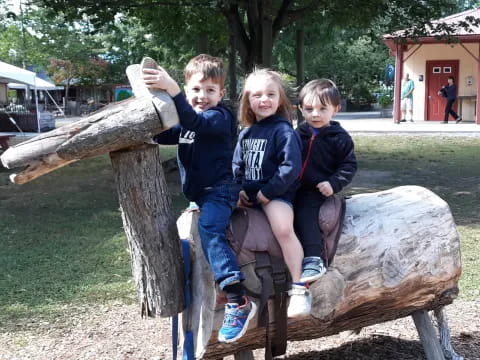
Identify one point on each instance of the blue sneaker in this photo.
(313, 269)
(235, 321)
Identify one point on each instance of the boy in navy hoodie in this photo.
(328, 165)
(206, 139)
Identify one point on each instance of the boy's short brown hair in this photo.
(323, 89)
(210, 67)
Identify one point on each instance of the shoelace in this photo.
(298, 291)
(231, 318)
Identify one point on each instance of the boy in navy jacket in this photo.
(206, 138)
(328, 165)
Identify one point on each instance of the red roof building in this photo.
(430, 60)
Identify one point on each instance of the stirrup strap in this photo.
(273, 275)
(280, 284)
(188, 336)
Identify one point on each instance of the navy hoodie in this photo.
(205, 146)
(326, 156)
(450, 91)
(268, 158)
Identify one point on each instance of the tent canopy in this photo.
(17, 78)
(10, 73)
(40, 84)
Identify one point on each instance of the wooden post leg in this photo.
(444, 333)
(428, 336)
(244, 355)
(155, 250)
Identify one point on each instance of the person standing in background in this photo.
(407, 98)
(450, 92)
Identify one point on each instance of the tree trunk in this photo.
(255, 45)
(399, 252)
(267, 18)
(155, 252)
(203, 43)
(300, 57)
(232, 69)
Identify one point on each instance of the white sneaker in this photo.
(300, 301)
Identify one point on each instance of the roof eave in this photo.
(391, 40)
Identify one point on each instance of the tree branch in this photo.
(253, 18)
(231, 13)
(288, 17)
(282, 13)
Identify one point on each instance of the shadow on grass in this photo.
(62, 242)
(380, 347)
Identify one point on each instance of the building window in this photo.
(447, 69)
(437, 69)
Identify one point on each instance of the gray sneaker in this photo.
(313, 269)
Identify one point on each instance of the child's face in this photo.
(203, 94)
(318, 115)
(264, 98)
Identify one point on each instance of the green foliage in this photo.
(355, 62)
(342, 37)
(44, 39)
(384, 100)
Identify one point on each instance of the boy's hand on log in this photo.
(325, 188)
(159, 79)
(243, 199)
(262, 199)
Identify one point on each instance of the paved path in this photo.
(370, 122)
(361, 123)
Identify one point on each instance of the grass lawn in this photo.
(62, 243)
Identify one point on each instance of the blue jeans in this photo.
(216, 204)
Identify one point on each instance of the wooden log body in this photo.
(399, 252)
(117, 126)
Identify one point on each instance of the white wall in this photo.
(416, 65)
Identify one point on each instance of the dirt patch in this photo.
(117, 332)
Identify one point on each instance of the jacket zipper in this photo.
(304, 166)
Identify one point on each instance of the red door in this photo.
(437, 73)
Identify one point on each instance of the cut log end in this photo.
(38, 168)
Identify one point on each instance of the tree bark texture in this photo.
(157, 264)
(399, 252)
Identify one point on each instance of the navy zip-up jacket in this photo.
(326, 156)
(206, 141)
(450, 92)
(268, 158)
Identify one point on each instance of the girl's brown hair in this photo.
(246, 115)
